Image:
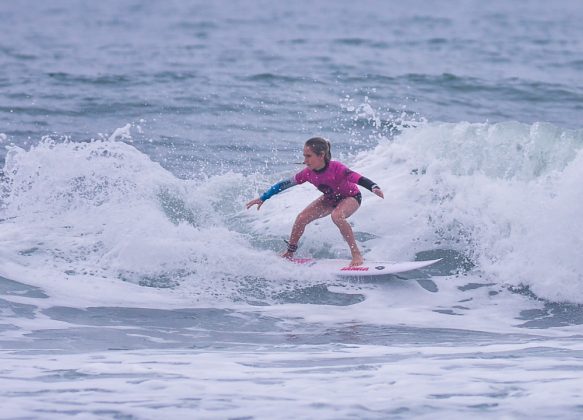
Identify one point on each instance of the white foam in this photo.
(504, 193)
(100, 213)
(122, 133)
(488, 380)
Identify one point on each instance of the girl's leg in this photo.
(343, 211)
(316, 210)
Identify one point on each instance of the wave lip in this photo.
(506, 193)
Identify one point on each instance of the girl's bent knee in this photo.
(338, 218)
(303, 219)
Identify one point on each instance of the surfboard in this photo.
(342, 268)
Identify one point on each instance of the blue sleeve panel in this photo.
(277, 188)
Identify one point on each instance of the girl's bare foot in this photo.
(288, 255)
(356, 261)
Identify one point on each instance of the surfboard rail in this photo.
(342, 267)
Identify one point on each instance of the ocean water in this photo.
(134, 284)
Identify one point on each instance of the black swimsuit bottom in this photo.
(334, 200)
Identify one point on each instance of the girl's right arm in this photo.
(275, 189)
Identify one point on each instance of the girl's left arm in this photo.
(367, 183)
(363, 182)
(371, 186)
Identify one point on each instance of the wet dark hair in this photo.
(320, 146)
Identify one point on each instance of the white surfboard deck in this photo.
(342, 268)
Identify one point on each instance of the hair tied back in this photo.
(320, 146)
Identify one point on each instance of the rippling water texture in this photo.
(217, 81)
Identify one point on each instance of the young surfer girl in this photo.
(340, 199)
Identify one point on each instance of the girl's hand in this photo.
(378, 192)
(257, 201)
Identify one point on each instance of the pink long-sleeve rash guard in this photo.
(336, 180)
